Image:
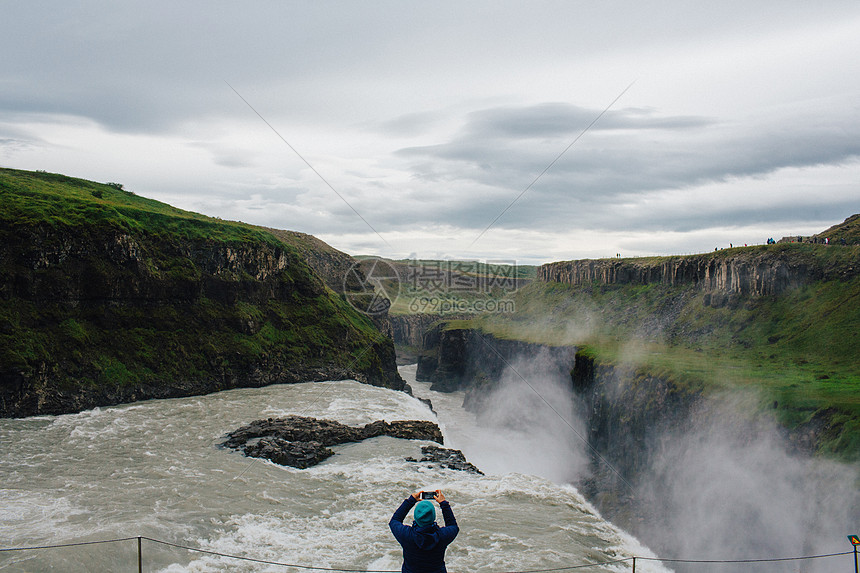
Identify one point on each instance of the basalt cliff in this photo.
(770, 269)
(741, 272)
(106, 297)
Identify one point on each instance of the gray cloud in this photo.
(225, 156)
(8, 146)
(775, 215)
(409, 124)
(144, 67)
(351, 84)
(566, 120)
(621, 161)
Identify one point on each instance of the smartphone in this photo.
(428, 495)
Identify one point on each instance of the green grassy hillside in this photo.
(847, 231)
(448, 287)
(114, 296)
(38, 198)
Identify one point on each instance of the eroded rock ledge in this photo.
(303, 442)
(450, 459)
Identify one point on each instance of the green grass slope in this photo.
(848, 232)
(445, 287)
(106, 296)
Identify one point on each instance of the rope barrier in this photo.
(314, 568)
(67, 544)
(770, 560)
(571, 567)
(263, 561)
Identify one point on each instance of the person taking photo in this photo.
(424, 542)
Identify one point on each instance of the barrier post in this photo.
(855, 541)
(139, 556)
(634, 564)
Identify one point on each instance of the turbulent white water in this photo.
(154, 469)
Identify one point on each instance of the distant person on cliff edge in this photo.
(424, 542)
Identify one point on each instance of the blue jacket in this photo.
(423, 547)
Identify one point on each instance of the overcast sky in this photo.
(426, 128)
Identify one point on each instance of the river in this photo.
(154, 469)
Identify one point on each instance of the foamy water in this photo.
(154, 469)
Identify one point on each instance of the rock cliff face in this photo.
(58, 266)
(339, 271)
(103, 303)
(114, 284)
(409, 329)
(765, 272)
(465, 359)
(628, 412)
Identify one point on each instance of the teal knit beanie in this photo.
(425, 513)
